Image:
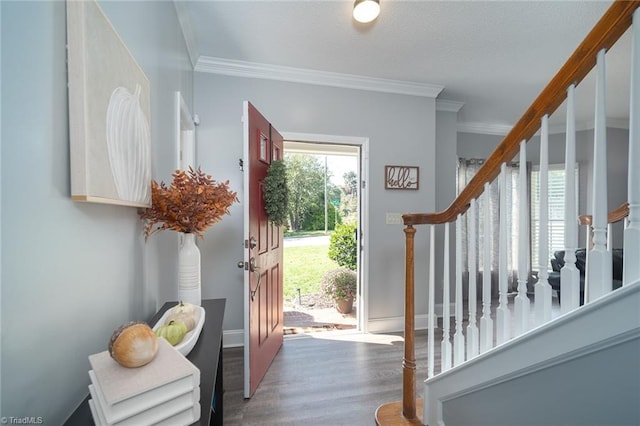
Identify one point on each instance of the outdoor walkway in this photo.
(301, 320)
(313, 240)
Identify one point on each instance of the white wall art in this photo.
(109, 113)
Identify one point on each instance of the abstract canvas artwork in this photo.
(109, 112)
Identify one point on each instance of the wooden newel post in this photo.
(404, 412)
(409, 361)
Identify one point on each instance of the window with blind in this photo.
(556, 211)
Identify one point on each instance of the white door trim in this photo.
(184, 134)
(363, 143)
(185, 140)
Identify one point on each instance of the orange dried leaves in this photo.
(192, 203)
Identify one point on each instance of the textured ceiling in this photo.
(494, 56)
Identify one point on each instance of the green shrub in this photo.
(340, 284)
(314, 219)
(343, 246)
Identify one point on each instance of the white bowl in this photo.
(190, 339)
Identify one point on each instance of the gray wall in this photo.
(401, 130)
(481, 146)
(72, 272)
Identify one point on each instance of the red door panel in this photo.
(264, 304)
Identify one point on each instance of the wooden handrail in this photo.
(614, 23)
(614, 215)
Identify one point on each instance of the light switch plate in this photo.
(394, 218)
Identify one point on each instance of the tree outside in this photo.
(349, 197)
(306, 184)
(305, 178)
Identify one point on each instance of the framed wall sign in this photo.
(401, 177)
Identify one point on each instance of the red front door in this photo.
(264, 315)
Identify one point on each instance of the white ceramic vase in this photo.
(189, 288)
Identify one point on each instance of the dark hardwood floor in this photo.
(325, 380)
(332, 378)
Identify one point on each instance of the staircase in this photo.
(523, 364)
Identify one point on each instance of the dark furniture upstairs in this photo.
(557, 262)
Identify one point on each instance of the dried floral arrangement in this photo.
(192, 203)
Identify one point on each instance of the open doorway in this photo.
(326, 234)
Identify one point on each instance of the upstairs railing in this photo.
(614, 216)
(480, 336)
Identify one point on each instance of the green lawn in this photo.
(303, 269)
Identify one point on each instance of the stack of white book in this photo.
(165, 391)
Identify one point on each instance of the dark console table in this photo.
(206, 355)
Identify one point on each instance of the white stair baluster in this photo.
(472, 328)
(458, 337)
(445, 354)
(431, 309)
(542, 288)
(569, 274)
(598, 277)
(521, 303)
(503, 315)
(486, 323)
(631, 271)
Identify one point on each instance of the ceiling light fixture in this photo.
(366, 10)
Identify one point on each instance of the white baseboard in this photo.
(396, 324)
(233, 338)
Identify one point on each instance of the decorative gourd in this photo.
(173, 332)
(188, 319)
(133, 344)
(129, 145)
(184, 308)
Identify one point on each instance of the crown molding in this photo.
(187, 31)
(446, 105)
(484, 128)
(238, 68)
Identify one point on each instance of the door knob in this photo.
(256, 269)
(240, 264)
(252, 264)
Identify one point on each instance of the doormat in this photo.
(317, 328)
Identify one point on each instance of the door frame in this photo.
(185, 138)
(363, 209)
